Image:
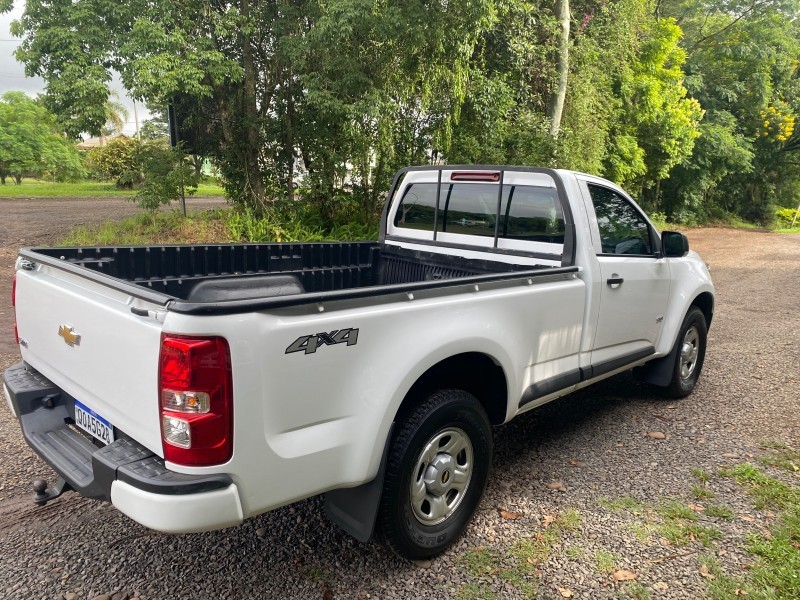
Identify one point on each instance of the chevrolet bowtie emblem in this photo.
(70, 337)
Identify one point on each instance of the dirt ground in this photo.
(595, 443)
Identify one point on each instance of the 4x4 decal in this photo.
(310, 343)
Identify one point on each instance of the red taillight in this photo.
(195, 395)
(14, 306)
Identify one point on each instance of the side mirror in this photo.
(674, 244)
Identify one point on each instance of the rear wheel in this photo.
(691, 351)
(436, 471)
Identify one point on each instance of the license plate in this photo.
(92, 423)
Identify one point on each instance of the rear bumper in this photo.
(124, 472)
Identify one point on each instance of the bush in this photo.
(166, 172)
(116, 160)
(785, 216)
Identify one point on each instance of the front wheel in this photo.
(691, 351)
(436, 472)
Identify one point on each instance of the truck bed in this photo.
(236, 277)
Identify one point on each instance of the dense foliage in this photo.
(159, 172)
(691, 105)
(30, 144)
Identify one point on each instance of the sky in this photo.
(12, 73)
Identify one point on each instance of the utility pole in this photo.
(136, 119)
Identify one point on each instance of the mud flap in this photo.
(659, 371)
(355, 509)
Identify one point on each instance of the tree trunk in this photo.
(18, 179)
(252, 150)
(657, 199)
(288, 135)
(556, 106)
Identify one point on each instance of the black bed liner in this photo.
(221, 278)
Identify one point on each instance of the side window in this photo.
(623, 230)
(417, 207)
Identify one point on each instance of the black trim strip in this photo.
(550, 385)
(560, 382)
(239, 306)
(615, 363)
(497, 212)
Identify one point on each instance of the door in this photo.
(634, 282)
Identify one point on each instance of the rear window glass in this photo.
(532, 213)
(417, 208)
(468, 208)
(526, 212)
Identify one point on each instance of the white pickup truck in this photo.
(197, 386)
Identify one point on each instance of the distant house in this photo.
(97, 142)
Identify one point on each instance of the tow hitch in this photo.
(43, 494)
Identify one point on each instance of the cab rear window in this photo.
(525, 212)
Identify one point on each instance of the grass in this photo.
(674, 510)
(164, 228)
(718, 511)
(702, 476)
(517, 564)
(782, 456)
(574, 552)
(623, 504)
(216, 226)
(775, 572)
(672, 520)
(605, 562)
(36, 188)
(636, 590)
(766, 491)
(475, 591)
(680, 533)
(702, 493)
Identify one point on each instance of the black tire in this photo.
(412, 528)
(688, 364)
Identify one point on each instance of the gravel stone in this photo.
(77, 548)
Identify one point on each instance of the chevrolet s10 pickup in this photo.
(196, 386)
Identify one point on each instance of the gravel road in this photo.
(595, 445)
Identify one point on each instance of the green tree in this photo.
(658, 124)
(30, 144)
(275, 85)
(743, 68)
(167, 175)
(156, 126)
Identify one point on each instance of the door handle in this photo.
(614, 281)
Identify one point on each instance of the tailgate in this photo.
(113, 368)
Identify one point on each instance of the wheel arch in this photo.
(474, 372)
(705, 302)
